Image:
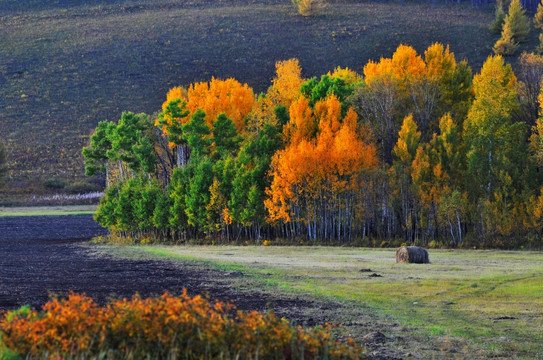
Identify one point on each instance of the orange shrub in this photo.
(165, 327)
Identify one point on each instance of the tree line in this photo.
(415, 149)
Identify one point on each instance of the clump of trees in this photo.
(416, 150)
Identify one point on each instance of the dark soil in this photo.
(41, 256)
(47, 255)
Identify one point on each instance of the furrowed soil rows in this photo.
(42, 256)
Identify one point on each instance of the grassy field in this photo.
(67, 65)
(487, 303)
(48, 210)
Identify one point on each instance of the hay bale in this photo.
(412, 254)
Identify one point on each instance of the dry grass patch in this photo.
(474, 298)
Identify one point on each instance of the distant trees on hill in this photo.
(416, 150)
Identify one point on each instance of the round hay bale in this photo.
(412, 254)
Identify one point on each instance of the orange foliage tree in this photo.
(408, 83)
(216, 97)
(316, 179)
(222, 96)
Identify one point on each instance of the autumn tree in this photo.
(404, 153)
(539, 48)
(171, 120)
(496, 166)
(221, 96)
(518, 21)
(437, 171)
(213, 98)
(315, 178)
(506, 45)
(530, 75)
(495, 99)
(299, 162)
(536, 139)
(538, 17)
(406, 82)
(286, 83)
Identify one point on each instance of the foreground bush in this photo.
(164, 327)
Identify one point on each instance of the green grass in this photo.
(48, 210)
(66, 67)
(487, 301)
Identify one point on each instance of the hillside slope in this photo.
(66, 65)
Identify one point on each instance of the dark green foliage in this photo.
(499, 19)
(55, 183)
(145, 154)
(316, 90)
(105, 215)
(198, 195)
(124, 211)
(82, 187)
(457, 95)
(225, 137)
(196, 134)
(282, 116)
(131, 141)
(161, 214)
(497, 162)
(178, 191)
(126, 137)
(174, 112)
(96, 154)
(251, 176)
(145, 204)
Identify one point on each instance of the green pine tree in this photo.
(225, 137)
(196, 133)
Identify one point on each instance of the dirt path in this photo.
(40, 256)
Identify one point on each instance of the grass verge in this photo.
(488, 302)
(48, 210)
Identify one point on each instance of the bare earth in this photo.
(45, 255)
